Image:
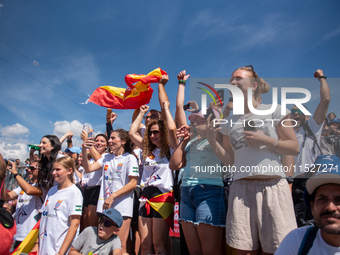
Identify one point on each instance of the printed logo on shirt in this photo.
(107, 178)
(151, 156)
(45, 213)
(135, 169)
(57, 204)
(46, 202)
(106, 167)
(24, 200)
(119, 167)
(22, 192)
(78, 208)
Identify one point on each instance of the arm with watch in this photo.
(24, 185)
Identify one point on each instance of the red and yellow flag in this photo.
(164, 205)
(28, 243)
(131, 98)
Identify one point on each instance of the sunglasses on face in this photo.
(106, 223)
(32, 168)
(152, 117)
(296, 110)
(154, 132)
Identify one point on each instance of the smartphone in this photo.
(186, 106)
(231, 99)
(249, 125)
(210, 111)
(221, 94)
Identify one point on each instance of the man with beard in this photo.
(323, 197)
(308, 147)
(29, 201)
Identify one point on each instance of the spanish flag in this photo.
(28, 243)
(133, 97)
(164, 205)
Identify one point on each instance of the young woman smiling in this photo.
(91, 180)
(120, 173)
(157, 179)
(61, 210)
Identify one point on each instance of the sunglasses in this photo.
(296, 110)
(106, 223)
(33, 168)
(154, 132)
(252, 69)
(152, 117)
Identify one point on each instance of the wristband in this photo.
(15, 175)
(273, 148)
(323, 76)
(182, 81)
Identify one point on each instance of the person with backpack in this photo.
(323, 199)
(308, 131)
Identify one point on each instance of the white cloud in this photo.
(61, 127)
(13, 150)
(15, 130)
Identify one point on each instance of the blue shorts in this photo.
(203, 204)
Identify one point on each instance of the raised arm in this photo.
(325, 98)
(69, 136)
(24, 185)
(180, 113)
(178, 159)
(171, 125)
(162, 96)
(133, 133)
(89, 144)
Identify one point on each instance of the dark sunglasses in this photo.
(106, 223)
(33, 168)
(154, 132)
(151, 117)
(296, 110)
(252, 69)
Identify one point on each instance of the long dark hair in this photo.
(45, 178)
(124, 135)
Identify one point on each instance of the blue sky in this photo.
(87, 44)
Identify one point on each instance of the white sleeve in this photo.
(76, 205)
(102, 159)
(17, 190)
(276, 115)
(132, 165)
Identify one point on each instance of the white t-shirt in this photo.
(139, 154)
(93, 178)
(292, 242)
(75, 175)
(157, 172)
(253, 161)
(306, 156)
(27, 208)
(116, 172)
(55, 221)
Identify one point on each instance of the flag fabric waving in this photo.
(131, 98)
(28, 243)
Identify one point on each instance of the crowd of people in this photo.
(116, 193)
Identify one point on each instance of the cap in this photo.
(73, 150)
(193, 116)
(328, 172)
(335, 120)
(113, 215)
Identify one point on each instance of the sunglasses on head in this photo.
(153, 132)
(106, 223)
(296, 110)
